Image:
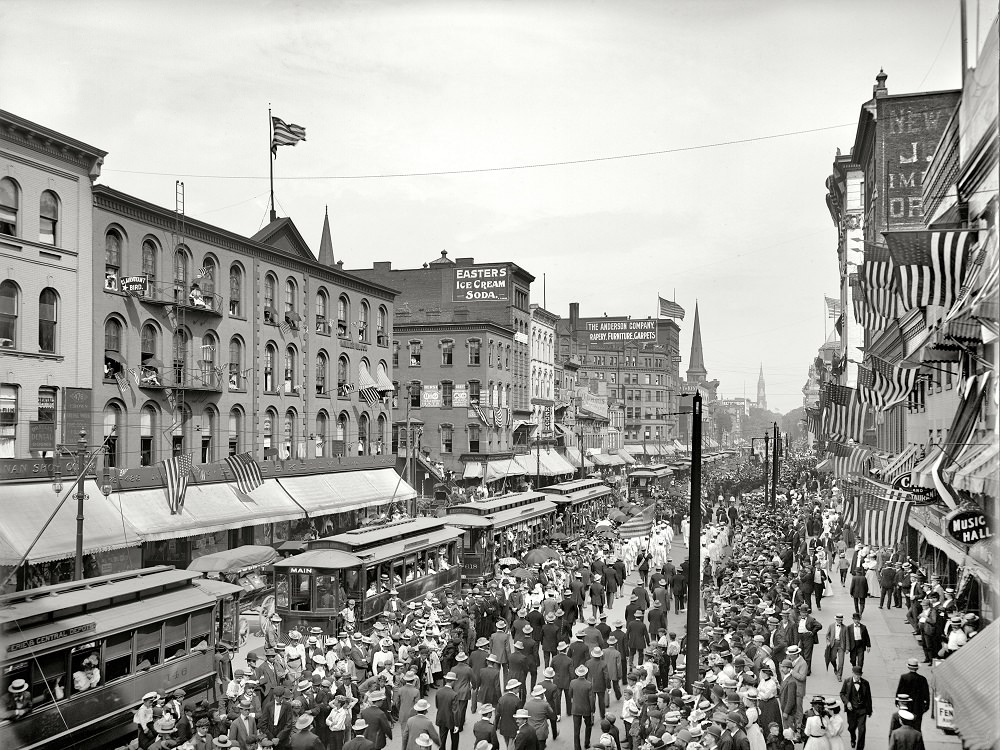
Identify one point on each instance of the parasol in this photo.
(603, 525)
(509, 561)
(558, 536)
(616, 515)
(522, 573)
(539, 556)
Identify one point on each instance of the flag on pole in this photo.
(847, 415)
(246, 471)
(285, 134)
(892, 382)
(670, 309)
(930, 266)
(177, 471)
(832, 307)
(639, 525)
(839, 325)
(122, 382)
(885, 520)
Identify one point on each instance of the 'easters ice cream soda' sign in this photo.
(968, 526)
(481, 283)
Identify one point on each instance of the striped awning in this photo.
(901, 464)
(383, 383)
(979, 476)
(365, 379)
(921, 473)
(974, 700)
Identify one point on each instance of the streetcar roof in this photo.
(494, 504)
(565, 488)
(360, 540)
(321, 559)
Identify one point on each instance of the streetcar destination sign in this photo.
(51, 637)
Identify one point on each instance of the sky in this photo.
(730, 213)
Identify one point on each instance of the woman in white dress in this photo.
(836, 727)
(871, 573)
(815, 729)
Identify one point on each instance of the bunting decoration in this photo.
(929, 265)
(847, 414)
(851, 510)
(246, 471)
(864, 314)
(177, 471)
(885, 520)
(866, 388)
(878, 281)
(849, 460)
(500, 417)
(892, 382)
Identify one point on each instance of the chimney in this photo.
(574, 314)
(879, 90)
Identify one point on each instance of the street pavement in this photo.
(892, 645)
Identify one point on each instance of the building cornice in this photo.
(444, 327)
(53, 144)
(123, 204)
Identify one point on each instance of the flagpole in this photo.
(270, 150)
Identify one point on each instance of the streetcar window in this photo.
(174, 636)
(147, 646)
(330, 592)
(49, 678)
(467, 539)
(281, 590)
(117, 656)
(352, 582)
(412, 572)
(14, 706)
(397, 572)
(201, 629)
(301, 593)
(85, 666)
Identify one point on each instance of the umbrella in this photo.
(153, 362)
(605, 532)
(540, 555)
(522, 573)
(557, 536)
(509, 561)
(603, 525)
(828, 656)
(616, 515)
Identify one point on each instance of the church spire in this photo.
(696, 372)
(326, 243)
(761, 393)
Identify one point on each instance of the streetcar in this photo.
(76, 658)
(496, 527)
(414, 558)
(582, 502)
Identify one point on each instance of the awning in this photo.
(557, 463)
(626, 456)
(384, 384)
(342, 491)
(534, 464)
(233, 560)
(969, 453)
(921, 473)
(26, 508)
(974, 700)
(496, 469)
(207, 508)
(365, 379)
(901, 464)
(979, 476)
(635, 450)
(573, 456)
(599, 459)
(565, 431)
(293, 316)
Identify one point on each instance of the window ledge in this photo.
(237, 390)
(33, 355)
(237, 317)
(271, 393)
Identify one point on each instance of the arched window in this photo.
(322, 311)
(147, 343)
(207, 360)
(342, 426)
(380, 436)
(270, 419)
(150, 255)
(343, 368)
(343, 311)
(235, 430)
(209, 424)
(180, 437)
(181, 351)
(322, 367)
(290, 291)
(383, 326)
(9, 204)
(236, 290)
(364, 322)
(182, 272)
(206, 277)
(147, 432)
(270, 295)
(114, 353)
(113, 437)
(322, 425)
(48, 310)
(48, 217)
(113, 243)
(363, 444)
(288, 433)
(270, 357)
(235, 364)
(290, 373)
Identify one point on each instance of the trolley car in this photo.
(413, 558)
(582, 502)
(498, 528)
(76, 658)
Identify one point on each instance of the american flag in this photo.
(893, 382)
(884, 521)
(851, 514)
(246, 471)
(866, 388)
(122, 382)
(638, 525)
(484, 414)
(814, 421)
(885, 490)
(670, 309)
(847, 414)
(285, 134)
(930, 266)
(177, 471)
(832, 307)
(878, 281)
(848, 460)
(864, 313)
(368, 392)
(500, 417)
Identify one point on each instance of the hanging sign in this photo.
(460, 396)
(968, 526)
(133, 284)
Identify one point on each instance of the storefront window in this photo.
(281, 531)
(262, 534)
(206, 544)
(167, 552)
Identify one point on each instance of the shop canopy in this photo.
(970, 678)
(234, 560)
(343, 491)
(542, 463)
(26, 508)
(495, 469)
(606, 459)
(573, 456)
(625, 456)
(921, 473)
(979, 476)
(208, 508)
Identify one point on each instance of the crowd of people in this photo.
(537, 651)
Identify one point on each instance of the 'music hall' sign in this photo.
(968, 526)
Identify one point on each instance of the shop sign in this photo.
(29, 468)
(968, 526)
(430, 395)
(41, 436)
(481, 284)
(905, 482)
(460, 396)
(136, 285)
(602, 330)
(77, 410)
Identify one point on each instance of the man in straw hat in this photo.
(507, 706)
(446, 706)
(303, 738)
(484, 730)
(359, 741)
(525, 738)
(417, 724)
(541, 716)
(582, 705)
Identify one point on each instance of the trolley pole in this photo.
(693, 654)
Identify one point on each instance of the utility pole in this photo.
(774, 468)
(767, 462)
(693, 655)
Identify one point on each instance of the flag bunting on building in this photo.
(122, 382)
(885, 520)
(670, 309)
(847, 414)
(878, 282)
(246, 471)
(346, 389)
(929, 265)
(285, 134)
(866, 388)
(851, 511)
(485, 414)
(848, 460)
(864, 313)
(839, 325)
(832, 308)
(639, 525)
(136, 375)
(499, 417)
(885, 490)
(177, 471)
(892, 382)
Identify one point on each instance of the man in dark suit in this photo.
(304, 739)
(463, 688)
(518, 666)
(600, 681)
(562, 665)
(488, 681)
(678, 590)
(446, 704)
(477, 662)
(856, 695)
(906, 737)
(637, 638)
(550, 637)
(808, 639)
(526, 738)
(858, 641)
(267, 675)
(915, 685)
(836, 643)
(379, 730)
(276, 721)
(360, 741)
(776, 639)
(582, 707)
(484, 730)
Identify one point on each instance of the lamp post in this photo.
(774, 468)
(693, 654)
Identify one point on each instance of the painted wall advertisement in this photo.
(481, 283)
(460, 396)
(430, 395)
(602, 330)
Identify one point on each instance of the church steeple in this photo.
(326, 243)
(696, 372)
(761, 393)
